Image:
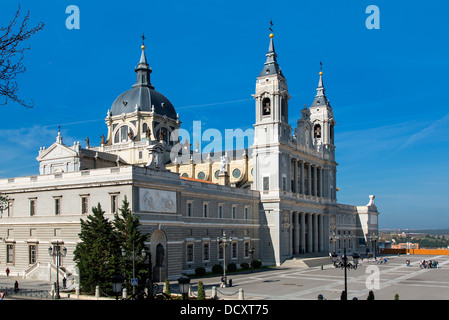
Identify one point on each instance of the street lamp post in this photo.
(184, 285)
(134, 258)
(344, 264)
(56, 252)
(222, 242)
(251, 252)
(373, 239)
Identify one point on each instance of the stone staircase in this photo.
(306, 261)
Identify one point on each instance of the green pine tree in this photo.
(98, 254)
(201, 292)
(167, 287)
(130, 238)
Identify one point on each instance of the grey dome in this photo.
(144, 97)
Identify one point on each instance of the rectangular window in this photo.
(246, 253)
(205, 210)
(234, 250)
(84, 205)
(284, 183)
(9, 253)
(32, 254)
(189, 209)
(189, 253)
(234, 212)
(220, 211)
(114, 203)
(206, 252)
(32, 207)
(266, 183)
(57, 206)
(246, 213)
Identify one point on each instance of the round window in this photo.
(236, 173)
(201, 175)
(216, 174)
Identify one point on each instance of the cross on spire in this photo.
(143, 38)
(271, 26)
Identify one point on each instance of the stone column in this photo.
(309, 179)
(315, 180)
(302, 177)
(296, 215)
(315, 233)
(321, 181)
(303, 231)
(321, 232)
(295, 174)
(309, 233)
(290, 232)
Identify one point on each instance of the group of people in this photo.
(428, 264)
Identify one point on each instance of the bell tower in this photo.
(271, 102)
(322, 119)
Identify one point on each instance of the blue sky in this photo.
(387, 86)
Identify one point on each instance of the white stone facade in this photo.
(278, 197)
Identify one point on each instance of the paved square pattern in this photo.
(386, 280)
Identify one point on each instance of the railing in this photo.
(41, 294)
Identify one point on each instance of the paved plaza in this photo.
(394, 277)
(299, 283)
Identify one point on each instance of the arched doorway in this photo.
(158, 249)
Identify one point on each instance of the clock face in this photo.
(236, 173)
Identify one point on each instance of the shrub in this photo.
(256, 264)
(244, 265)
(200, 271)
(217, 268)
(232, 267)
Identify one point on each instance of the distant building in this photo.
(407, 245)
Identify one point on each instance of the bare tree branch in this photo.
(11, 56)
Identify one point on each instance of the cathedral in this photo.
(275, 200)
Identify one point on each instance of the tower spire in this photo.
(320, 98)
(143, 71)
(271, 65)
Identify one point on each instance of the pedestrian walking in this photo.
(7, 272)
(16, 286)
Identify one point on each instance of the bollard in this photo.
(230, 282)
(77, 291)
(125, 293)
(97, 292)
(241, 297)
(53, 290)
(214, 293)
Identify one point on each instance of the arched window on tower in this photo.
(266, 107)
(317, 131)
(332, 134)
(123, 134)
(284, 110)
